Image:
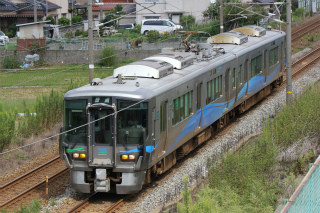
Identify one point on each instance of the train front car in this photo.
(105, 140)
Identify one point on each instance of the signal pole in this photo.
(221, 15)
(289, 61)
(90, 42)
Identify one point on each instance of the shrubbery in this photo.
(11, 62)
(76, 19)
(63, 21)
(108, 57)
(187, 21)
(7, 127)
(153, 36)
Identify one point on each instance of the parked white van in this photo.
(160, 25)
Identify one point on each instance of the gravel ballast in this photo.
(249, 124)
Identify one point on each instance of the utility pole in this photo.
(221, 15)
(289, 60)
(101, 11)
(90, 42)
(35, 15)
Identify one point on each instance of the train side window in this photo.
(181, 107)
(239, 74)
(273, 56)
(234, 77)
(256, 65)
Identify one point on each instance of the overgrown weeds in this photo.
(249, 180)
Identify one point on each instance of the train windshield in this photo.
(102, 125)
(132, 122)
(75, 116)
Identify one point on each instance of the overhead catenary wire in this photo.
(39, 141)
(78, 127)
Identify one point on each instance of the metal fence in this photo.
(118, 43)
(306, 198)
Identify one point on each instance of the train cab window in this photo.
(181, 107)
(273, 56)
(239, 74)
(102, 126)
(75, 116)
(256, 65)
(132, 122)
(246, 67)
(234, 77)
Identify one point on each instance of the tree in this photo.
(76, 19)
(113, 14)
(63, 21)
(51, 19)
(187, 21)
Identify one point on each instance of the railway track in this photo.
(306, 28)
(17, 189)
(89, 204)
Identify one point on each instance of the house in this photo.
(31, 32)
(171, 9)
(22, 11)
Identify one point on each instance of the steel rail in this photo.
(81, 205)
(16, 198)
(115, 206)
(28, 173)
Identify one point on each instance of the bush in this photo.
(51, 19)
(78, 33)
(63, 21)
(137, 28)
(7, 127)
(107, 57)
(69, 35)
(134, 42)
(153, 36)
(76, 19)
(187, 21)
(11, 62)
(85, 34)
(301, 12)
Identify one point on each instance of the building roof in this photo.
(32, 23)
(6, 5)
(41, 5)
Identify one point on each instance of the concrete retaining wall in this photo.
(60, 57)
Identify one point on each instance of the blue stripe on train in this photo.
(214, 111)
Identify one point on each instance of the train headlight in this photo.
(124, 157)
(82, 155)
(75, 155)
(132, 157)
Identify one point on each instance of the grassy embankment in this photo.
(37, 91)
(252, 180)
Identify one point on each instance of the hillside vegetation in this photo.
(251, 180)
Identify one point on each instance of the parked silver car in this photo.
(3, 38)
(160, 25)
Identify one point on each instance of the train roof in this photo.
(139, 86)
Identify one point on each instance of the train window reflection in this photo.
(132, 122)
(75, 116)
(102, 126)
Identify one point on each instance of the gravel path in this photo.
(248, 124)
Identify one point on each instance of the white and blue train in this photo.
(153, 112)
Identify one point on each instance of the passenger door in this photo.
(163, 125)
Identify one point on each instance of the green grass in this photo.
(53, 76)
(249, 180)
(10, 46)
(17, 104)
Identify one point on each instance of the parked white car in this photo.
(160, 25)
(3, 38)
